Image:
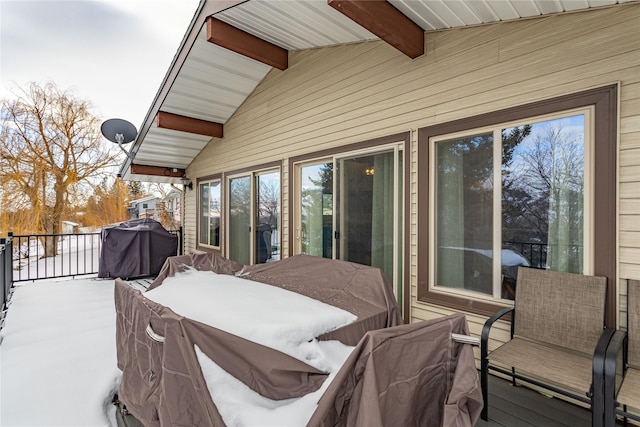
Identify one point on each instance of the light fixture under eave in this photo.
(119, 131)
(186, 182)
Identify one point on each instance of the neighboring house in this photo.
(69, 227)
(517, 134)
(172, 202)
(143, 208)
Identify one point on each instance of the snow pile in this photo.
(240, 406)
(58, 355)
(271, 316)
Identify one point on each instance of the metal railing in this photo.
(40, 256)
(6, 275)
(75, 255)
(535, 253)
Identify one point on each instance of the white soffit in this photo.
(441, 14)
(213, 82)
(169, 148)
(295, 25)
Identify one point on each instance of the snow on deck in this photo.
(58, 354)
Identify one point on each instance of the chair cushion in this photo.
(552, 365)
(629, 393)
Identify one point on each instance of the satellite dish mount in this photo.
(120, 132)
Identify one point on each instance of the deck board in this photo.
(521, 406)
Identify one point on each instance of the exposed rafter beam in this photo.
(156, 171)
(232, 38)
(188, 124)
(386, 22)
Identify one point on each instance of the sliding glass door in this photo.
(316, 210)
(267, 217)
(350, 207)
(240, 219)
(368, 210)
(254, 217)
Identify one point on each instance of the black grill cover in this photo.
(135, 248)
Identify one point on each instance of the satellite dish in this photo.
(119, 131)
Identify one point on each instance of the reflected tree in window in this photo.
(239, 219)
(317, 210)
(544, 204)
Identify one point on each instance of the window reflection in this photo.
(541, 222)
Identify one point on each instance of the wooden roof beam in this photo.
(137, 169)
(236, 40)
(386, 22)
(188, 124)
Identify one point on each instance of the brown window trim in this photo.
(605, 101)
(199, 246)
(256, 168)
(404, 137)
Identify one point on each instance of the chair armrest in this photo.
(484, 338)
(617, 343)
(597, 392)
(599, 354)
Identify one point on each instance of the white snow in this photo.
(271, 316)
(58, 354)
(240, 406)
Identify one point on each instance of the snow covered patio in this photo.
(58, 354)
(58, 363)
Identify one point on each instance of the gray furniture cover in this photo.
(398, 375)
(135, 248)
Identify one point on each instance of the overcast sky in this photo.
(113, 53)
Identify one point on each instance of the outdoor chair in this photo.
(558, 340)
(622, 364)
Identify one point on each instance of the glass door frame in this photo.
(228, 179)
(399, 149)
(252, 174)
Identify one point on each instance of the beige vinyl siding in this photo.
(629, 192)
(336, 96)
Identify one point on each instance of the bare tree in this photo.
(50, 145)
(108, 203)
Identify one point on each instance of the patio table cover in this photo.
(409, 375)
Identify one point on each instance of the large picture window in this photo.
(209, 213)
(531, 186)
(512, 196)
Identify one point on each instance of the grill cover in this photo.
(135, 248)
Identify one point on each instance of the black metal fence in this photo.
(75, 255)
(6, 275)
(40, 256)
(535, 253)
